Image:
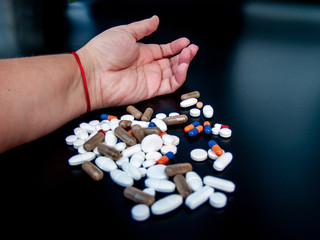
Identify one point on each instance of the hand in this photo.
(123, 71)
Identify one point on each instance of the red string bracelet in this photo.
(84, 81)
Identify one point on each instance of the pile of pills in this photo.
(137, 147)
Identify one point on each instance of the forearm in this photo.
(38, 95)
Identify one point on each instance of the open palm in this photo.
(126, 71)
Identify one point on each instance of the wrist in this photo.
(88, 78)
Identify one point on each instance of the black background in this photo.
(258, 66)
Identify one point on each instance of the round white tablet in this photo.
(218, 200)
(215, 131)
(140, 212)
(198, 154)
(195, 112)
(151, 143)
(225, 132)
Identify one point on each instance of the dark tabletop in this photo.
(258, 66)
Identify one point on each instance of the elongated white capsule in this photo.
(166, 204)
(223, 161)
(199, 197)
(194, 180)
(81, 158)
(160, 185)
(219, 183)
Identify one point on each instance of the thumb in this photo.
(142, 28)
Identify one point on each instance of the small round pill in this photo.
(199, 105)
(225, 132)
(195, 112)
(218, 200)
(140, 212)
(198, 154)
(215, 131)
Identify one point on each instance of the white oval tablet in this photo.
(160, 185)
(128, 117)
(153, 155)
(81, 158)
(161, 116)
(106, 164)
(194, 180)
(219, 183)
(150, 191)
(77, 143)
(120, 146)
(166, 204)
(207, 111)
(137, 159)
(198, 197)
(225, 132)
(131, 170)
(223, 161)
(198, 154)
(157, 171)
(218, 200)
(140, 212)
(188, 102)
(160, 124)
(195, 112)
(151, 143)
(128, 152)
(168, 148)
(148, 163)
(70, 139)
(122, 160)
(87, 127)
(121, 178)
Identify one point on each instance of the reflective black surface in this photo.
(258, 66)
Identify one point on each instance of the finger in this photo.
(169, 49)
(174, 47)
(187, 54)
(142, 28)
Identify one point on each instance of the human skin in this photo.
(40, 94)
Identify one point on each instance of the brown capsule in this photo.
(182, 186)
(147, 114)
(92, 170)
(134, 112)
(109, 151)
(125, 136)
(94, 141)
(178, 119)
(138, 196)
(194, 94)
(174, 169)
(151, 130)
(125, 124)
(137, 132)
